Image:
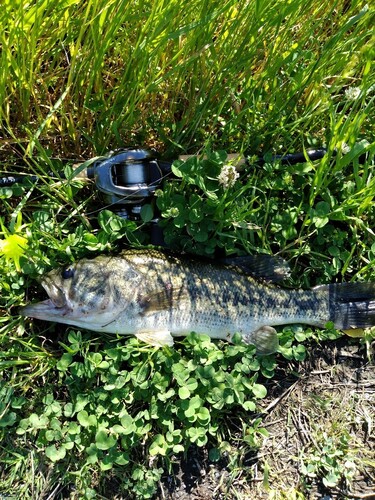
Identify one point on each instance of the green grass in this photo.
(80, 78)
(261, 75)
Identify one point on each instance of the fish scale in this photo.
(156, 296)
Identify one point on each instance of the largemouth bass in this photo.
(156, 296)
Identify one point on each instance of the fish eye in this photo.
(67, 273)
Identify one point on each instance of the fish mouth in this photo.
(45, 310)
(56, 306)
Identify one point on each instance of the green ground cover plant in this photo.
(89, 416)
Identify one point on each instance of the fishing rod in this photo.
(127, 178)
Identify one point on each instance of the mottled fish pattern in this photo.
(156, 296)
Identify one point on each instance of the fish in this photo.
(158, 296)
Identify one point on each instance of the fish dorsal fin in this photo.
(162, 299)
(267, 267)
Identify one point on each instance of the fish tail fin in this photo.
(352, 305)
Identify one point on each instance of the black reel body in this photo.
(128, 179)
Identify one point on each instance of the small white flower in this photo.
(228, 176)
(345, 148)
(352, 93)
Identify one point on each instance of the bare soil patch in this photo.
(318, 412)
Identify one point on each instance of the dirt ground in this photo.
(317, 412)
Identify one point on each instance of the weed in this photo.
(113, 409)
(333, 461)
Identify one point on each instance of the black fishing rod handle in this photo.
(10, 180)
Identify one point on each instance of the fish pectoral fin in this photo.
(162, 299)
(157, 338)
(265, 340)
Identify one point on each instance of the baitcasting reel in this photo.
(128, 179)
